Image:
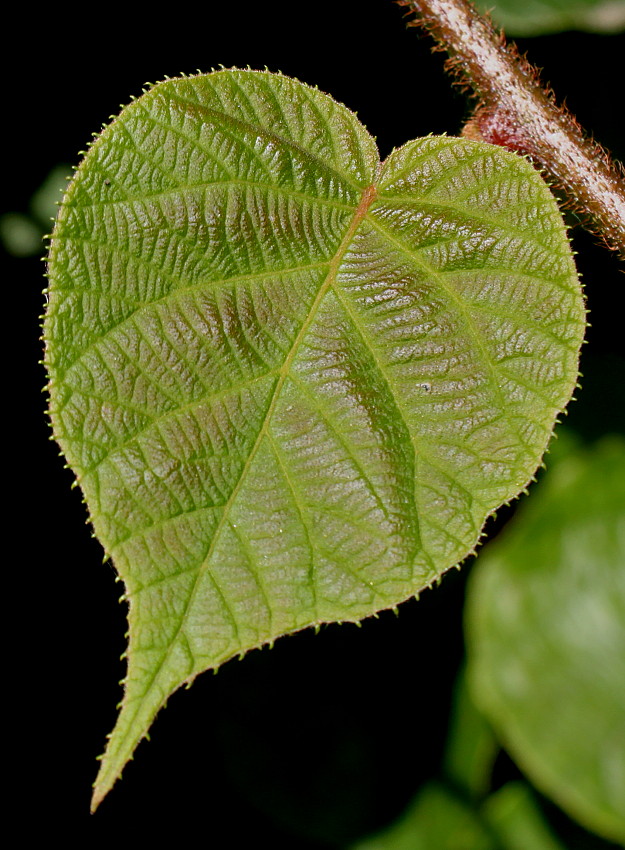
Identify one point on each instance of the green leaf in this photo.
(516, 820)
(20, 236)
(546, 631)
(436, 820)
(535, 17)
(23, 235)
(43, 204)
(293, 383)
(439, 820)
(471, 746)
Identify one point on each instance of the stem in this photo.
(515, 111)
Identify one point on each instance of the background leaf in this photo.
(516, 820)
(436, 819)
(291, 397)
(22, 235)
(534, 17)
(440, 818)
(546, 631)
(471, 746)
(457, 811)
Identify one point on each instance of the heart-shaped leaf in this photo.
(294, 382)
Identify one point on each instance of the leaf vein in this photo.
(359, 213)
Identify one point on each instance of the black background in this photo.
(325, 737)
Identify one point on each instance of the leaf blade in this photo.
(237, 332)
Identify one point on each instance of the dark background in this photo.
(326, 737)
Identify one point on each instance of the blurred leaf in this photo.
(471, 745)
(44, 203)
(536, 17)
(19, 235)
(517, 821)
(435, 821)
(22, 235)
(546, 636)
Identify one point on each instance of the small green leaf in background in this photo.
(516, 820)
(294, 382)
(471, 746)
(536, 17)
(44, 203)
(445, 815)
(457, 813)
(22, 235)
(546, 636)
(436, 820)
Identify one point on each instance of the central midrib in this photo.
(366, 200)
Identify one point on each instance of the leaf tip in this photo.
(96, 799)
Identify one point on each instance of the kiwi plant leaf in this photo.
(436, 818)
(514, 817)
(546, 636)
(535, 17)
(293, 382)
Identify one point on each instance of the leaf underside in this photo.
(294, 382)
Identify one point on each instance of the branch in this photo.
(515, 111)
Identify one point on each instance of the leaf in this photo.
(471, 746)
(438, 818)
(435, 819)
(516, 820)
(23, 235)
(535, 17)
(293, 383)
(19, 235)
(546, 632)
(43, 204)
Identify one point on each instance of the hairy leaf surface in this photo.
(294, 382)
(546, 633)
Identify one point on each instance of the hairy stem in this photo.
(515, 111)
